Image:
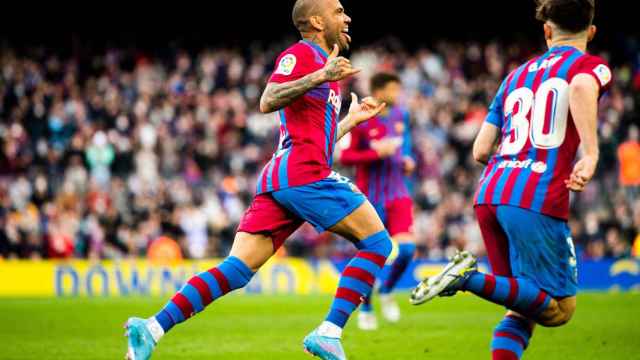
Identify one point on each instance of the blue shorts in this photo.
(323, 203)
(526, 244)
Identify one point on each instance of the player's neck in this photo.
(316, 39)
(578, 43)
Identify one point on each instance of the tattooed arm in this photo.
(276, 96)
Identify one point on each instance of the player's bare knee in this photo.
(558, 314)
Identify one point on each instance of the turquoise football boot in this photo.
(324, 347)
(140, 342)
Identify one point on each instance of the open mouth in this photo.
(345, 33)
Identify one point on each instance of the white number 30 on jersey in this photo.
(553, 96)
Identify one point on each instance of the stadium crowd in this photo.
(104, 153)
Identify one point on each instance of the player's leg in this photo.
(512, 335)
(367, 319)
(543, 266)
(399, 224)
(335, 204)
(365, 229)
(262, 231)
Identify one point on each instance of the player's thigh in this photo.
(541, 250)
(495, 240)
(332, 204)
(263, 229)
(360, 224)
(399, 220)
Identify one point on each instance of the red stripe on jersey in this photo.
(373, 257)
(183, 304)
(203, 289)
(351, 296)
(489, 285)
(513, 292)
(221, 279)
(360, 274)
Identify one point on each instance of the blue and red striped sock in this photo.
(405, 255)
(203, 289)
(358, 277)
(511, 338)
(520, 295)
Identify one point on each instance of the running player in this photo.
(543, 111)
(297, 185)
(381, 151)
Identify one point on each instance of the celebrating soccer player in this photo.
(381, 151)
(297, 185)
(542, 112)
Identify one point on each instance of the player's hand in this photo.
(385, 147)
(360, 112)
(338, 67)
(409, 165)
(582, 173)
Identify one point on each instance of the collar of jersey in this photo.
(317, 47)
(560, 48)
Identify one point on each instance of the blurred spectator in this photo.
(629, 158)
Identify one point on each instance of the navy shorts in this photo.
(526, 244)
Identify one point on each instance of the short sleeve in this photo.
(291, 65)
(599, 69)
(495, 115)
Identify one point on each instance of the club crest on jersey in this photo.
(287, 64)
(545, 64)
(603, 73)
(537, 167)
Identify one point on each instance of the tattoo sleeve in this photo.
(276, 96)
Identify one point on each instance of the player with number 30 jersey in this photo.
(543, 111)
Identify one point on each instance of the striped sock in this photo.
(202, 289)
(519, 295)
(358, 277)
(405, 255)
(366, 304)
(510, 338)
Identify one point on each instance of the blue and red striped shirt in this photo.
(539, 140)
(381, 180)
(308, 126)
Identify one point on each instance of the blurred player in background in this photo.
(543, 111)
(297, 185)
(381, 151)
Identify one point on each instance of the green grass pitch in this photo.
(606, 326)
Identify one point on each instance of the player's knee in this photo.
(557, 315)
(380, 243)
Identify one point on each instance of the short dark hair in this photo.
(380, 80)
(573, 16)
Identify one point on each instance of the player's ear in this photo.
(548, 32)
(591, 32)
(316, 22)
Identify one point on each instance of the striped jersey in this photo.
(381, 180)
(308, 126)
(539, 140)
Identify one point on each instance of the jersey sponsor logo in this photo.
(334, 100)
(537, 167)
(545, 64)
(603, 73)
(287, 64)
